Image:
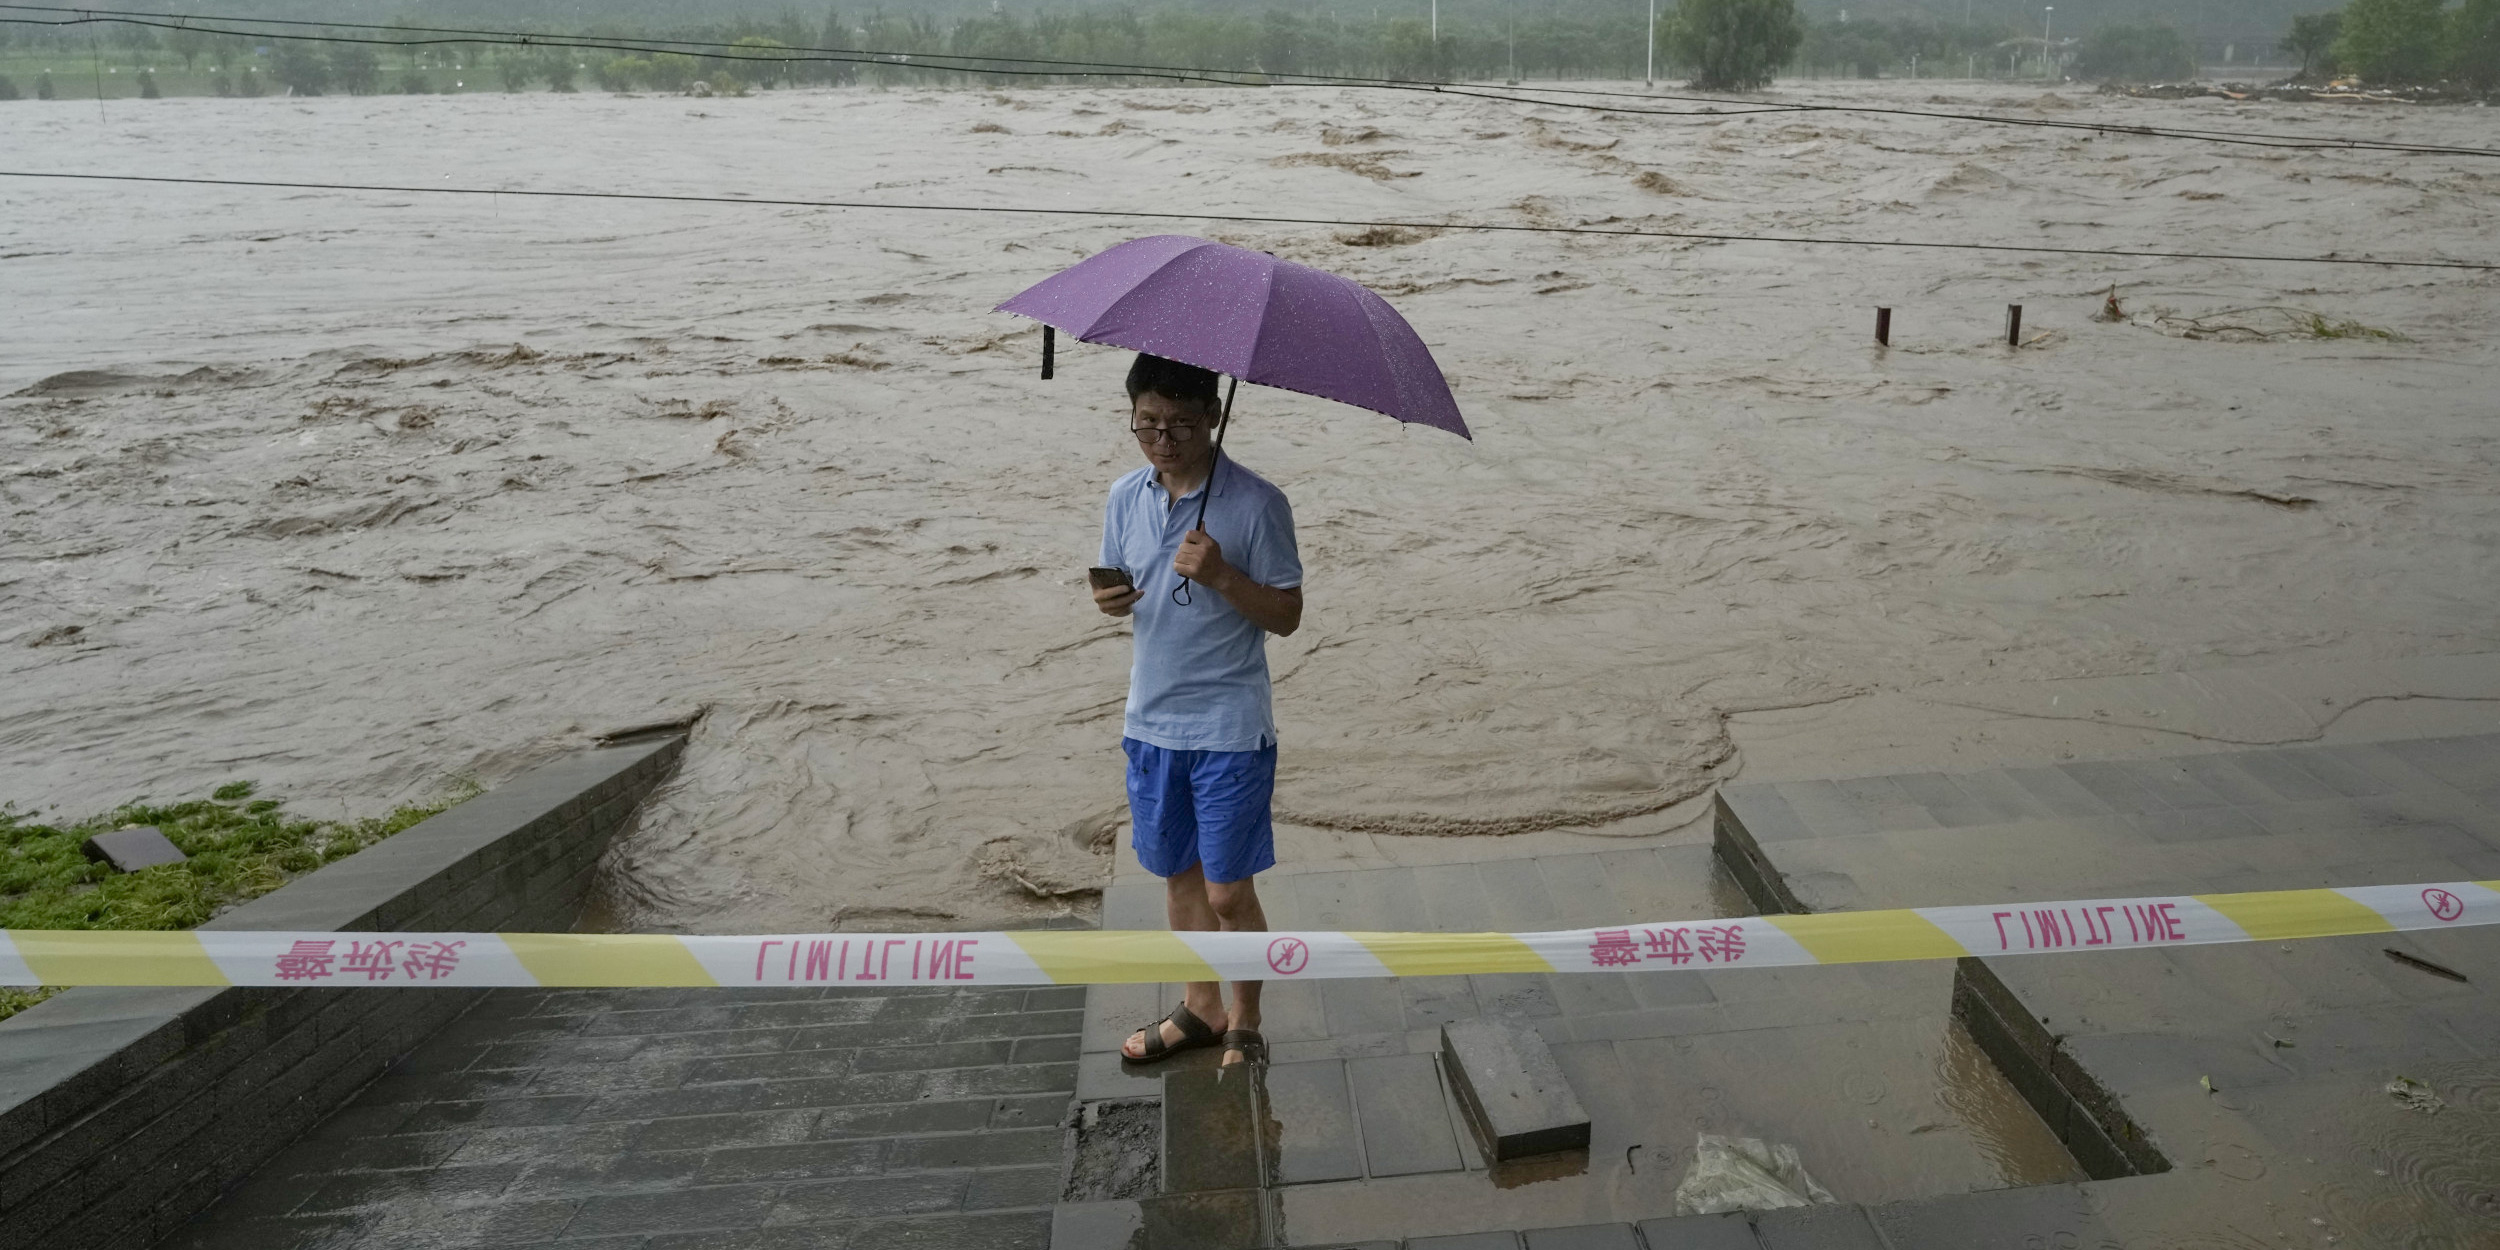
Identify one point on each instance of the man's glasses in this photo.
(1148, 434)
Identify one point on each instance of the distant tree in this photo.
(43, 86)
(767, 53)
(621, 73)
(2474, 44)
(670, 71)
(837, 34)
(222, 84)
(301, 67)
(2313, 40)
(187, 43)
(516, 68)
(355, 68)
(8, 88)
(412, 81)
(147, 86)
(2135, 54)
(559, 69)
(2392, 41)
(251, 83)
(1734, 45)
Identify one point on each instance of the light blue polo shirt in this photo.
(1199, 680)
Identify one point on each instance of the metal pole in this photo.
(1650, 75)
(2048, 16)
(1883, 327)
(2013, 325)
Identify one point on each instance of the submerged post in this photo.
(1883, 327)
(1050, 345)
(2013, 325)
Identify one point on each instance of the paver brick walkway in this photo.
(725, 1119)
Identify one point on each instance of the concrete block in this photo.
(1406, 1124)
(1210, 1138)
(871, 1197)
(1582, 1237)
(1837, 1226)
(1732, 1231)
(2060, 793)
(133, 848)
(1313, 1111)
(2046, 1215)
(1514, 1093)
(2196, 824)
(1218, 1219)
(1362, 1005)
(1097, 1226)
(1003, 1189)
(1012, 1148)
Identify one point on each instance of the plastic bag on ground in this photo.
(1745, 1174)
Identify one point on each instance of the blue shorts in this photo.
(1188, 808)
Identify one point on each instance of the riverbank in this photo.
(238, 847)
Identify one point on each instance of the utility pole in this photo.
(1649, 76)
(2048, 15)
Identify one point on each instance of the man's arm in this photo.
(1201, 560)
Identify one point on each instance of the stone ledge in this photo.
(125, 1111)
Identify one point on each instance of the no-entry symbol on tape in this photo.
(1288, 955)
(2444, 905)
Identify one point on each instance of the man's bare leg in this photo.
(1235, 905)
(1185, 902)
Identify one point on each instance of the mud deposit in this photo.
(348, 492)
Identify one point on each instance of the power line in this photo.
(1257, 219)
(962, 63)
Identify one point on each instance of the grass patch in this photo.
(240, 848)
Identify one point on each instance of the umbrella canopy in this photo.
(1250, 316)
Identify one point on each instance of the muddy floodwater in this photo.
(352, 493)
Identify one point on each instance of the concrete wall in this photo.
(125, 1112)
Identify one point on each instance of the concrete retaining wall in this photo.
(125, 1112)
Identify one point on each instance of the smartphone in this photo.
(1105, 579)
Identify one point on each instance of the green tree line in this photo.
(1717, 44)
(2402, 42)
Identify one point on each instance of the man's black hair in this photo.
(1186, 384)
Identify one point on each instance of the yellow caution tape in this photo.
(1061, 957)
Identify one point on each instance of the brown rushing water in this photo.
(351, 492)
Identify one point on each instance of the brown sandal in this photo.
(1253, 1047)
(1194, 1035)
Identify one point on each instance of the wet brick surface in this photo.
(649, 1119)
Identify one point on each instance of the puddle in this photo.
(2004, 1128)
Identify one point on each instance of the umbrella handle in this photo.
(1180, 593)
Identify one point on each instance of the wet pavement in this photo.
(2249, 1082)
(1360, 1139)
(2236, 1093)
(722, 1119)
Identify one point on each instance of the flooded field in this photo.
(351, 493)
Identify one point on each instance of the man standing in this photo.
(1200, 730)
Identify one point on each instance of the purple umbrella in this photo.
(1250, 317)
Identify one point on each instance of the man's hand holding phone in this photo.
(1114, 593)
